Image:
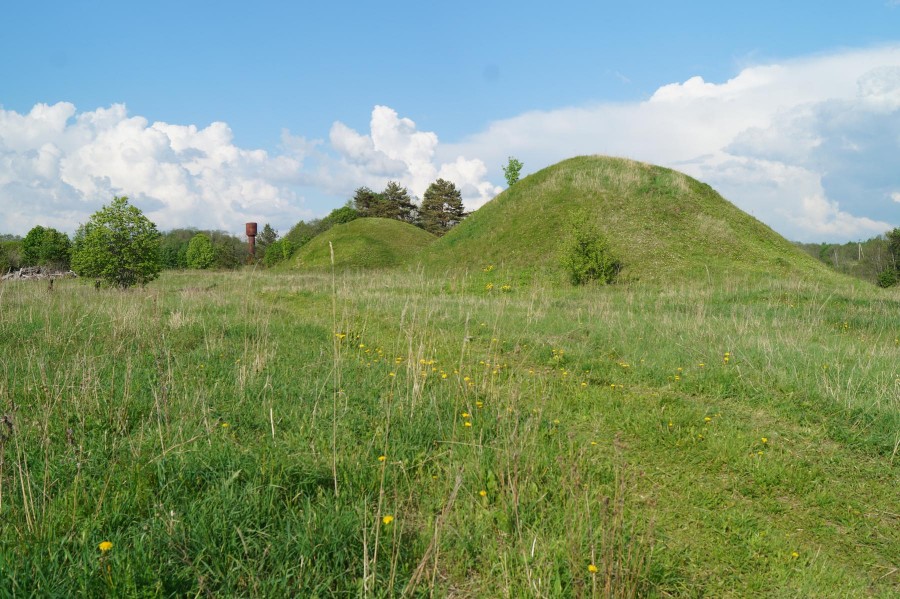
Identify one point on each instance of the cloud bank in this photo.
(809, 146)
(58, 166)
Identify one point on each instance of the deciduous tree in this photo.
(118, 246)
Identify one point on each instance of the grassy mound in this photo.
(659, 222)
(363, 243)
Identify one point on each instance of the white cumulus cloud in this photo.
(810, 146)
(57, 166)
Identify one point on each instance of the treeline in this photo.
(876, 260)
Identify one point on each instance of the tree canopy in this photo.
(45, 246)
(118, 246)
(442, 207)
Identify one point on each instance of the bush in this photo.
(887, 278)
(118, 246)
(10, 256)
(200, 253)
(587, 255)
(277, 252)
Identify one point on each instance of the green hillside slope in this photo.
(660, 223)
(363, 243)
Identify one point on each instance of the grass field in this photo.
(469, 435)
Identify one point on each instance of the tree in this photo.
(44, 246)
(442, 207)
(265, 239)
(511, 171)
(200, 252)
(118, 246)
(398, 203)
(366, 202)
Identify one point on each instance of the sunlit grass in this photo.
(264, 435)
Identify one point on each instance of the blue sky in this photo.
(212, 113)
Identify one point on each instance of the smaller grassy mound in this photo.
(363, 243)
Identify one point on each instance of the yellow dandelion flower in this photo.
(795, 555)
(387, 519)
(465, 414)
(382, 458)
(479, 404)
(391, 374)
(707, 419)
(483, 493)
(593, 569)
(467, 423)
(225, 425)
(105, 546)
(765, 439)
(593, 442)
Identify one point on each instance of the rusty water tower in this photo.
(251, 240)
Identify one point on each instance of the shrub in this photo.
(587, 255)
(200, 253)
(279, 251)
(887, 278)
(44, 246)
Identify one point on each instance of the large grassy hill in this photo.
(660, 223)
(363, 243)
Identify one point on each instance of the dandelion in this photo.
(489, 286)
(387, 519)
(479, 404)
(465, 414)
(225, 425)
(392, 374)
(382, 458)
(506, 288)
(593, 569)
(483, 493)
(340, 336)
(795, 555)
(105, 546)
(765, 439)
(593, 442)
(443, 375)
(701, 364)
(467, 424)
(707, 419)
(670, 424)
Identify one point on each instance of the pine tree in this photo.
(442, 207)
(398, 203)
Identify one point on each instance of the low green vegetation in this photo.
(455, 434)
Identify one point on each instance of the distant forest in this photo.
(865, 260)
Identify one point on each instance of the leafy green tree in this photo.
(45, 246)
(340, 216)
(587, 255)
(200, 253)
(230, 251)
(512, 170)
(442, 207)
(10, 255)
(279, 251)
(118, 246)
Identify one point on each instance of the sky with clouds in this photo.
(214, 114)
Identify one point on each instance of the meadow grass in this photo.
(476, 434)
